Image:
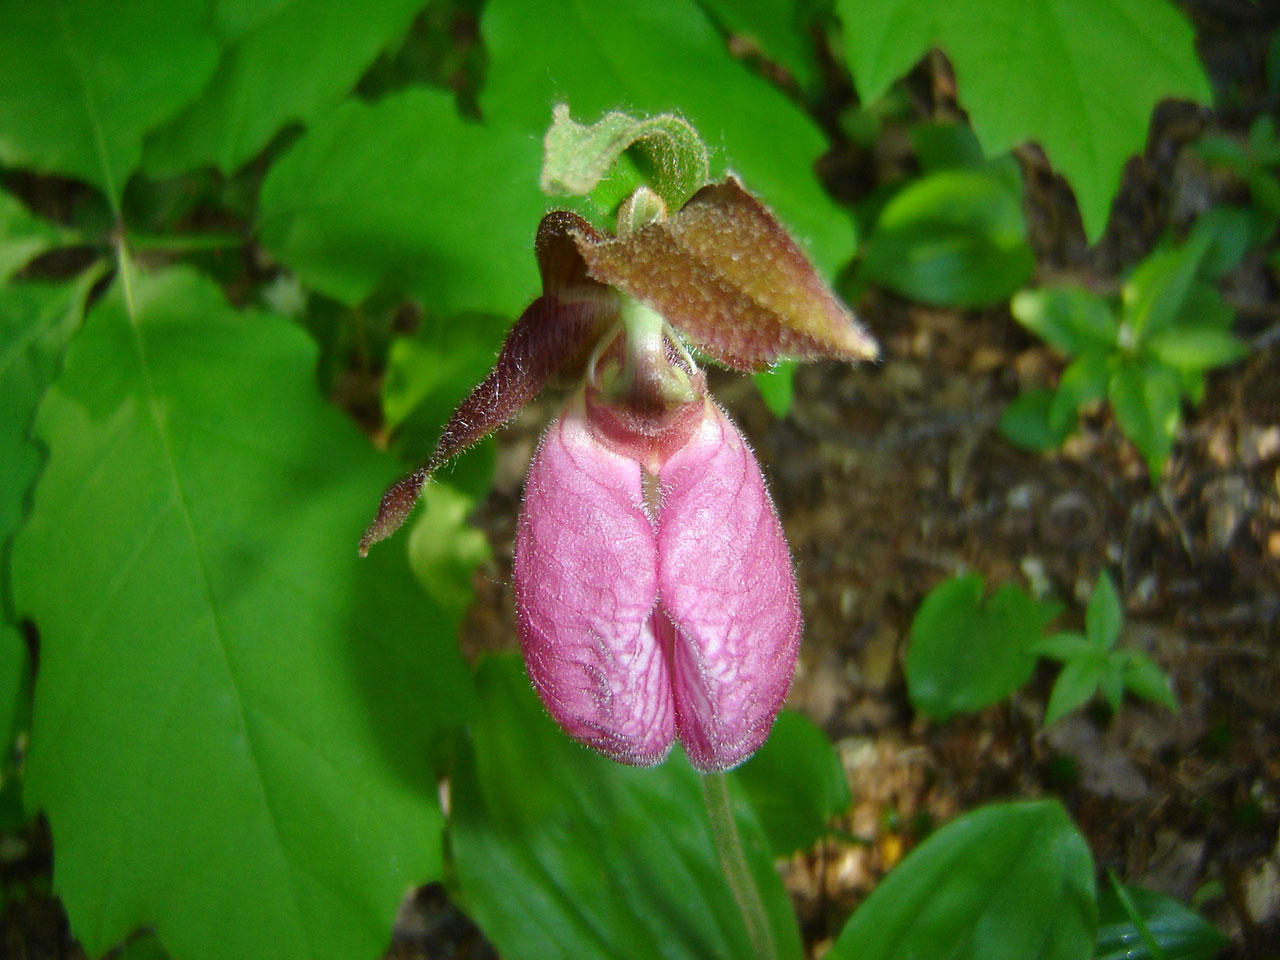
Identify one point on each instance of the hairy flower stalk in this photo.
(654, 589)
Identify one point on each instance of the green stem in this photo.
(733, 860)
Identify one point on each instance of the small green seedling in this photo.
(1145, 354)
(1092, 662)
(1255, 161)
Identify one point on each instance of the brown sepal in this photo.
(553, 337)
(725, 273)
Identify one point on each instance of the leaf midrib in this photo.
(219, 629)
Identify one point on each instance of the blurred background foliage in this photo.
(252, 253)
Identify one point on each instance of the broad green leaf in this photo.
(966, 654)
(795, 783)
(14, 676)
(952, 238)
(1103, 615)
(406, 194)
(662, 56)
(1080, 77)
(84, 80)
(234, 721)
(560, 853)
(1073, 319)
(1077, 682)
(1145, 679)
(1197, 348)
(1026, 422)
(779, 29)
(23, 237)
(36, 321)
(287, 67)
(1179, 933)
(1005, 882)
(1145, 399)
(777, 387)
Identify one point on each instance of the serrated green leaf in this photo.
(36, 321)
(1179, 933)
(781, 31)
(23, 237)
(1005, 882)
(795, 783)
(1145, 679)
(1197, 348)
(233, 699)
(561, 854)
(952, 238)
(1026, 422)
(966, 654)
(286, 67)
(1077, 682)
(406, 194)
(1088, 74)
(14, 677)
(946, 146)
(1146, 400)
(84, 80)
(1073, 319)
(663, 56)
(1103, 615)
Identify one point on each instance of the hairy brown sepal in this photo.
(553, 337)
(727, 275)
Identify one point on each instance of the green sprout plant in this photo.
(1144, 353)
(1255, 161)
(966, 652)
(1092, 662)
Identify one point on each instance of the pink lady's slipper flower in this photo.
(654, 588)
